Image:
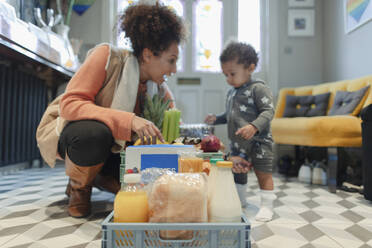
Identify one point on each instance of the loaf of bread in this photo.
(178, 198)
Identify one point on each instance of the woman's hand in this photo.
(247, 132)
(240, 165)
(145, 128)
(210, 119)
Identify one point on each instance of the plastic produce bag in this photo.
(150, 175)
(196, 130)
(190, 162)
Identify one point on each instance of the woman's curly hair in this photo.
(154, 27)
(244, 53)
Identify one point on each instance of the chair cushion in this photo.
(306, 106)
(345, 101)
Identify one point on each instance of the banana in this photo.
(138, 142)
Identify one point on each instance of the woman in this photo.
(100, 109)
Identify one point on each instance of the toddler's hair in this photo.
(242, 52)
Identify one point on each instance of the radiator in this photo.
(23, 100)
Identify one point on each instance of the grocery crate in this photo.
(122, 166)
(122, 157)
(147, 235)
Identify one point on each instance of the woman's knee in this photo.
(87, 142)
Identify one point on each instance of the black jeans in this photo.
(366, 115)
(88, 143)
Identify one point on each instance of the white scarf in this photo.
(125, 95)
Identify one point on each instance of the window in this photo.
(207, 26)
(121, 40)
(204, 47)
(178, 7)
(249, 24)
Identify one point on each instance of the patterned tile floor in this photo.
(33, 214)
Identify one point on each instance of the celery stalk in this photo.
(178, 118)
(165, 125)
(172, 126)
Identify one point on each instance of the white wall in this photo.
(87, 27)
(95, 25)
(300, 58)
(346, 55)
(330, 55)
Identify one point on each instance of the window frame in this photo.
(229, 29)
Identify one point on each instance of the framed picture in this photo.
(301, 22)
(301, 3)
(356, 13)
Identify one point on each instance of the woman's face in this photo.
(156, 67)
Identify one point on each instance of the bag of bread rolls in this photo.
(179, 198)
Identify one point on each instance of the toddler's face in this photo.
(236, 75)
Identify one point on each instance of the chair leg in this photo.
(332, 169)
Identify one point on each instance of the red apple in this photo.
(210, 143)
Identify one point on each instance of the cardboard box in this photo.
(160, 156)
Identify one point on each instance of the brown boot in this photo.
(79, 202)
(68, 189)
(106, 183)
(79, 188)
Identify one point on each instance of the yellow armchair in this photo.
(323, 131)
(332, 132)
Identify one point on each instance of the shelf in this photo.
(14, 51)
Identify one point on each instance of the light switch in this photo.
(288, 50)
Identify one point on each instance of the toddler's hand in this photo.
(210, 119)
(247, 132)
(240, 165)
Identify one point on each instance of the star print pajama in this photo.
(252, 103)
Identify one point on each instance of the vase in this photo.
(63, 30)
